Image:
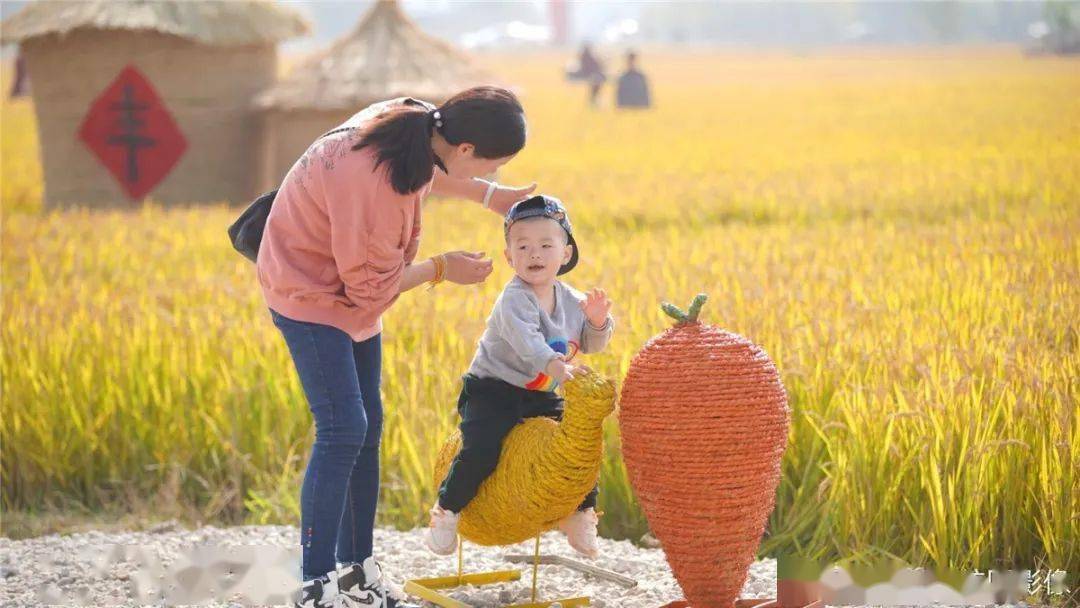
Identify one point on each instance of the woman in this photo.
(337, 251)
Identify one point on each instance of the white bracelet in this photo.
(490, 190)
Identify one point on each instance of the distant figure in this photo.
(590, 70)
(632, 88)
(19, 86)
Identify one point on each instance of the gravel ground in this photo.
(255, 565)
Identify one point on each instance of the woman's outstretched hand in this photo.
(504, 197)
(466, 267)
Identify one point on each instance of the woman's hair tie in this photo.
(436, 117)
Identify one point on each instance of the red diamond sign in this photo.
(132, 133)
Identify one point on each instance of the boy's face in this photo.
(536, 248)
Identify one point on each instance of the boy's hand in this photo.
(559, 369)
(596, 307)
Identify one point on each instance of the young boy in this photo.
(536, 327)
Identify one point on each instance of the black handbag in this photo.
(247, 231)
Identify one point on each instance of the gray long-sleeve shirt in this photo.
(521, 338)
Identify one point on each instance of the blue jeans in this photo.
(341, 484)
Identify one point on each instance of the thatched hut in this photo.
(139, 98)
(385, 56)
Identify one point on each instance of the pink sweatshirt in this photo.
(338, 236)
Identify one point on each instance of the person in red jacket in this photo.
(338, 249)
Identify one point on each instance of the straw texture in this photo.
(211, 22)
(545, 469)
(206, 90)
(704, 422)
(385, 56)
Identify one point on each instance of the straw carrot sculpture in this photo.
(704, 421)
(545, 468)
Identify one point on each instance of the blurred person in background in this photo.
(590, 70)
(632, 88)
(20, 85)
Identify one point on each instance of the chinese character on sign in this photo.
(133, 134)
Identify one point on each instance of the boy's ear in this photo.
(506, 254)
(568, 252)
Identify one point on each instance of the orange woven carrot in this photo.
(704, 421)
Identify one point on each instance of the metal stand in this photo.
(573, 564)
(428, 588)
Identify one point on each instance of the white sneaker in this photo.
(580, 530)
(365, 586)
(321, 592)
(441, 536)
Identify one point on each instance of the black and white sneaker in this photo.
(363, 586)
(321, 592)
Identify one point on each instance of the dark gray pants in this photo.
(490, 408)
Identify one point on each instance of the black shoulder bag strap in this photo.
(246, 232)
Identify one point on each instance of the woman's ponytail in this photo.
(402, 138)
(490, 118)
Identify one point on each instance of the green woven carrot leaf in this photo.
(691, 315)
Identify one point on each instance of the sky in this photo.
(753, 23)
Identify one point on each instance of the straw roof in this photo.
(212, 22)
(385, 56)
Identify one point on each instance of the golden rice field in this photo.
(898, 230)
